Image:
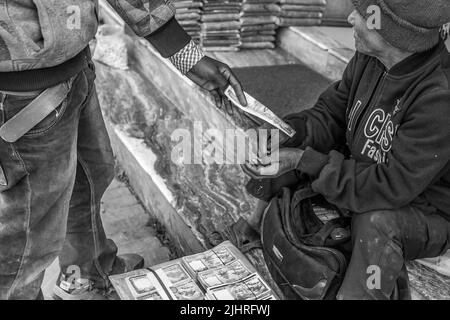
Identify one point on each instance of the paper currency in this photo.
(187, 291)
(224, 255)
(203, 261)
(175, 273)
(250, 288)
(257, 109)
(141, 284)
(151, 296)
(223, 275)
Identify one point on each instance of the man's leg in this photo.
(383, 241)
(38, 174)
(87, 248)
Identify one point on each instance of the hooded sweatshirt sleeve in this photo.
(323, 127)
(420, 153)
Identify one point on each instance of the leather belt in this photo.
(38, 109)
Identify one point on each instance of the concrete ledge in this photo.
(138, 162)
(315, 47)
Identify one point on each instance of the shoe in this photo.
(243, 236)
(84, 289)
(126, 263)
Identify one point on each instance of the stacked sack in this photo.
(220, 25)
(301, 12)
(258, 24)
(188, 14)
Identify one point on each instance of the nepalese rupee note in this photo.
(250, 288)
(257, 109)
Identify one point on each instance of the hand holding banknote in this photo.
(215, 76)
(274, 164)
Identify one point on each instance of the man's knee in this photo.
(378, 223)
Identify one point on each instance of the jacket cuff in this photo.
(312, 162)
(169, 39)
(299, 125)
(187, 57)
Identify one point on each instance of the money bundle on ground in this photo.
(222, 273)
(220, 25)
(258, 23)
(188, 15)
(301, 12)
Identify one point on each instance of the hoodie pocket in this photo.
(46, 33)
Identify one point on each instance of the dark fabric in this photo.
(56, 175)
(169, 39)
(395, 125)
(266, 189)
(385, 239)
(40, 79)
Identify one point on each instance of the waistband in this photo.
(41, 79)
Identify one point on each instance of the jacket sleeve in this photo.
(323, 126)
(154, 20)
(420, 153)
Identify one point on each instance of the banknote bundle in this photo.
(258, 18)
(220, 25)
(301, 12)
(220, 273)
(188, 14)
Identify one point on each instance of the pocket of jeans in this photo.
(14, 104)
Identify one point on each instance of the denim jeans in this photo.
(381, 243)
(51, 183)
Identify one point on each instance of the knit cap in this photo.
(411, 25)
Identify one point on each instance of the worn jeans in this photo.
(381, 243)
(51, 183)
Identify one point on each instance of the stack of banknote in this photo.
(188, 15)
(220, 25)
(258, 23)
(301, 12)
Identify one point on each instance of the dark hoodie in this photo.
(396, 126)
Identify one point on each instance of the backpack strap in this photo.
(302, 194)
(321, 236)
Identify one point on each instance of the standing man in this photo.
(390, 114)
(55, 154)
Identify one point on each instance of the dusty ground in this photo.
(127, 223)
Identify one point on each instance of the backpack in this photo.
(306, 257)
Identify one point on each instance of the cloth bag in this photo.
(306, 257)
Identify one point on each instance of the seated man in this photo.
(391, 115)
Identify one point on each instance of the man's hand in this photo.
(215, 77)
(275, 164)
(271, 141)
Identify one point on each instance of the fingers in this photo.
(258, 172)
(217, 98)
(227, 104)
(234, 82)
